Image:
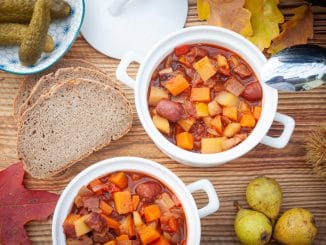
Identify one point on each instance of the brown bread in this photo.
(75, 118)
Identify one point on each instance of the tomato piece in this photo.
(181, 50)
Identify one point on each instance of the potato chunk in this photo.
(226, 99)
(156, 94)
(186, 124)
(231, 129)
(161, 124)
(205, 68)
(211, 145)
(80, 227)
(201, 109)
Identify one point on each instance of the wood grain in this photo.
(301, 187)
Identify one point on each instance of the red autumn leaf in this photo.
(19, 205)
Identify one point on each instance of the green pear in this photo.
(252, 227)
(295, 227)
(264, 195)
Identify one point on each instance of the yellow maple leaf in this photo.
(295, 31)
(230, 14)
(203, 9)
(264, 20)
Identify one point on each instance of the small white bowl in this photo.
(147, 167)
(220, 37)
(64, 32)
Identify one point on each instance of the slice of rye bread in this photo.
(47, 81)
(72, 120)
(28, 83)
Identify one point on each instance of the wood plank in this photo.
(301, 187)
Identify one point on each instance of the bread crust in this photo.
(28, 83)
(45, 83)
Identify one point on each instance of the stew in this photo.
(126, 208)
(204, 98)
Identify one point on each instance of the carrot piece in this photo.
(148, 234)
(105, 207)
(216, 123)
(119, 179)
(72, 218)
(123, 240)
(247, 120)
(95, 183)
(152, 212)
(122, 202)
(185, 140)
(231, 112)
(176, 85)
(257, 112)
(169, 223)
(205, 68)
(162, 241)
(112, 223)
(114, 242)
(202, 94)
(135, 201)
(202, 109)
(182, 59)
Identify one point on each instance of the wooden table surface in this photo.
(301, 187)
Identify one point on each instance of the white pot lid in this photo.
(115, 27)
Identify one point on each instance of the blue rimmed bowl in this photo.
(64, 32)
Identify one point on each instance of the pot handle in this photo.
(121, 72)
(281, 141)
(213, 202)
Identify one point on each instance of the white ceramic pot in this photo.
(224, 38)
(147, 167)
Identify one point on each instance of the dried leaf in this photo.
(19, 205)
(264, 20)
(295, 31)
(203, 9)
(230, 14)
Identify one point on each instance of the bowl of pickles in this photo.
(35, 34)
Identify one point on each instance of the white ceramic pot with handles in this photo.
(220, 37)
(147, 167)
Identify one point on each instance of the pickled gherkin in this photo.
(32, 44)
(21, 11)
(13, 34)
